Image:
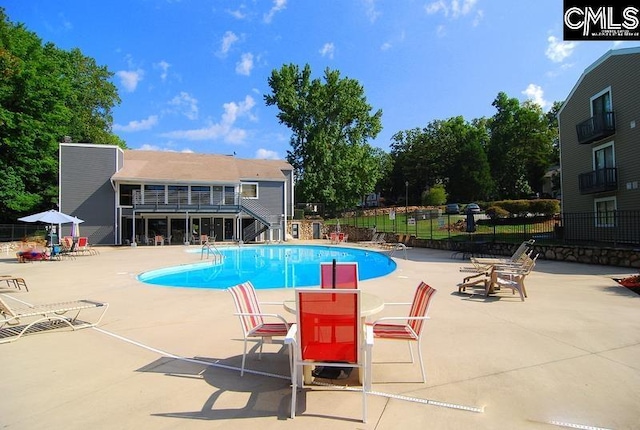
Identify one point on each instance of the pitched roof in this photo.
(610, 53)
(181, 167)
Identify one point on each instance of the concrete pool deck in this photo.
(166, 358)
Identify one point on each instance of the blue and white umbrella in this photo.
(51, 217)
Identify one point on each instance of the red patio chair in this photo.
(328, 332)
(346, 275)
(253, 321)
(409, 327)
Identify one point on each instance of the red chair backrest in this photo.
(346, 275)
(420, 306)
(329, 325)
(82, 242)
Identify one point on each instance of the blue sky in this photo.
(192, 73)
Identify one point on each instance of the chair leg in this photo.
(424, 376)
(411, 351)
(294, 389)
(244, 356)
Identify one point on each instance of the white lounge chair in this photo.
(18, 320)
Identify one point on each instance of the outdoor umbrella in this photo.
(51, 217)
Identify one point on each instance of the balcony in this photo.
(596, 128)
(598, 181)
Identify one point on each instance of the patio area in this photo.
(166, 358)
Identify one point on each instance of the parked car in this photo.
(473, 207)
(452, 208)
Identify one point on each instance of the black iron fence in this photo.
(615, 228)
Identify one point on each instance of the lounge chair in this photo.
(329, 333)
(18, 320)
(496, 276)
(253, 321)
(524, 248)
(13, 281)
(339, 275)
(408, 328)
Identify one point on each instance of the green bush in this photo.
(495, 212)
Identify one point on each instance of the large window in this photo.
(605, 211)
(154, 194)
(249, 190)
(600, 107)
(603, 156)
(178, 194)
(126, 194)
(200, 195)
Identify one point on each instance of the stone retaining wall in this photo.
(577, 254)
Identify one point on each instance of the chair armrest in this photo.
(398, 303)
(368, 335)
(277, 316)
(291, 334)
(379, 320)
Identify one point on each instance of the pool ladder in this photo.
(209, 249)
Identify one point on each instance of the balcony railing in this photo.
(598, 181)
(596, 128)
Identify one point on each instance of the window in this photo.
(126, 194)
(603, 156)
(605, 211)
(154, 194)
(229, 196)
(200, 195)
(601, 106)
(178, 194)
(249, 190)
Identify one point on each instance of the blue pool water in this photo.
(269, 266)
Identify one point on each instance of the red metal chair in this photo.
(253, 321)
(339, 275)
(328, 332)
(410, 328)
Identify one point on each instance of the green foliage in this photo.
(45, 94)
(436, 196)
(330, 122)
(448, 152)
(544, 206)
(520, 149)
(525, 207)
(495, 212)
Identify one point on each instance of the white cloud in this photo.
(452, 8)
(327, 50)
(238, 14)
(132, 126)
(150, 147)
(227, 42)
(371, 10)
(225, 128)
(267, 154)
(245, 65)
(278, 5)
(130, 78)
(386, 46)
(558, 50)
(535, 93)
(164, 69)
(186, 104)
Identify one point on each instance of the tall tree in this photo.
(45, 94)
(330, 121)
(520, 147)
(448, 152)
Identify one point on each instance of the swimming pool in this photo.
(268, 266)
